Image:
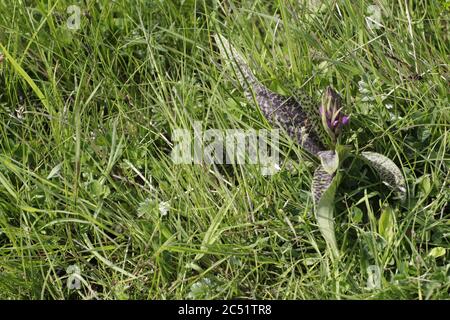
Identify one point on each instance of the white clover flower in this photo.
(164, 208)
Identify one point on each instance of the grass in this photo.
(86, 123)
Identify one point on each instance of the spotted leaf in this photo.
(324, 187)
(281, 111)
(388, 171)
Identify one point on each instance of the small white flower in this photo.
(388, 106)
(163, 208)
(394, 117)
(20, 112)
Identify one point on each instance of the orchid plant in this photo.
(318, 131)
(327, 175)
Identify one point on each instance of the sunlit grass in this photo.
(86, 122)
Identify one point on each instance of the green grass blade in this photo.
(16, 66)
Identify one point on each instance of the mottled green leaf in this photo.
(388, 171)
(323, 189)
(329, 160)
(281, 111)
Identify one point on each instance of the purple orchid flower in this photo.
(333, 119)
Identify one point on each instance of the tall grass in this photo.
(86, 123)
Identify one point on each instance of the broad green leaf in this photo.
(357, 215)
(388, 171)
(425, 184)
(386, 224)
(323, 189)
(437, 252)
(96, 188)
